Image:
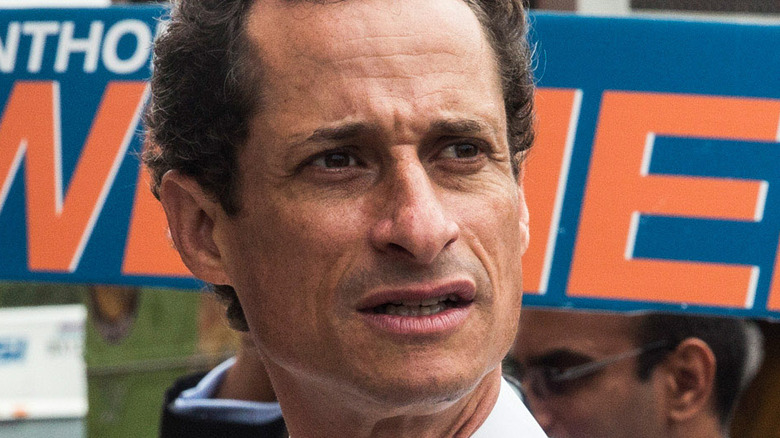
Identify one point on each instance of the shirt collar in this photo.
(509, 418)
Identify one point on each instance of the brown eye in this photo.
(335, 160)
(461, 150)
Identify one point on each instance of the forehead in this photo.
(398, 64)
(593, 333)
(397, 45)
(325, 32)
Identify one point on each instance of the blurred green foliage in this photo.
(39, 294)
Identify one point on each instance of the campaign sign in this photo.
(74, 83)
(654, 182)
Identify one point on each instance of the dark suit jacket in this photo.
(173, 425)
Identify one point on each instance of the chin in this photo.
(428, 391)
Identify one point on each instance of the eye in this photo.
(461, 151)
(334, 160)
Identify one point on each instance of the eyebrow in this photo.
(352, 130)
(460, 126)
(342, 132)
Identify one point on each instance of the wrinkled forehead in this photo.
(544, 330)
(323, 33)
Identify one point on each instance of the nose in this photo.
(413, 223)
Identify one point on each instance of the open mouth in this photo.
(426, 307)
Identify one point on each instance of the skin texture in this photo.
(379, 161)
(676, 401)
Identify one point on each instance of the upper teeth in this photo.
(428, 302)
(414, 310)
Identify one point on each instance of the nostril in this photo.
(394, 247)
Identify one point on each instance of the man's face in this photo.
(378, 247)
(611, 403)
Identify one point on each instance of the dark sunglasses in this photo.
(544, 381)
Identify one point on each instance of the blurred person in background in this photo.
(654, 375)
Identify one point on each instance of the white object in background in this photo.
(29, 4)
(42, 369)
(604, 7)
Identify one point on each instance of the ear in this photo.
(191, 217)
(523, 209)
(691, 380)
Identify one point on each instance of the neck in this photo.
(311, 411)
(247, 379)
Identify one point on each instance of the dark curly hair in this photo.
(207, 85)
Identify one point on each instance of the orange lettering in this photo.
(60, 222)
(557, 114)
(773, 304)
(149, 249)
(619, 190)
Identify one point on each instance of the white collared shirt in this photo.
(197, 402)
(509, 418)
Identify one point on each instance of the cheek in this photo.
(494, 235)
(609, 410)
(499, 241)
(285, 263)
(297, 236)
(582, 416)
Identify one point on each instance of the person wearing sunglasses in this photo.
(654, 375)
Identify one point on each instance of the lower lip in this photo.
(439, 323)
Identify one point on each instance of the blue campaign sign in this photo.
(666, 144)
(653, 183)
(73, 89)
